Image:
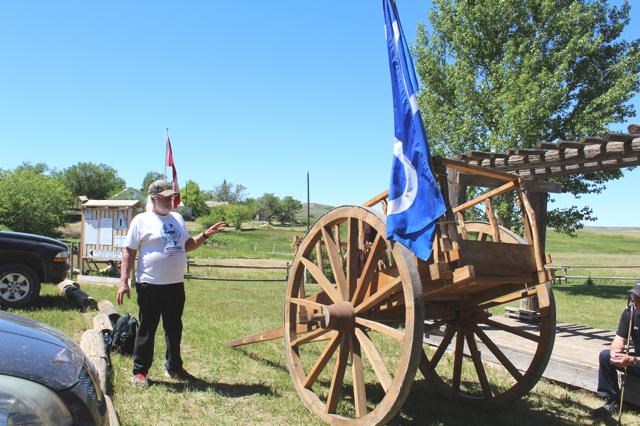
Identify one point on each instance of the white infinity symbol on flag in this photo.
(405, 200)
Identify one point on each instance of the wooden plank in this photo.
(509, 186)
(495, 257)
(482, 171)
(263, 336)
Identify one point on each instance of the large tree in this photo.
(96, 181)
(229, 192)
(31, 201)
(288, 209)
(192, 196)
(502, 74)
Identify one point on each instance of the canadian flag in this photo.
(172, 164)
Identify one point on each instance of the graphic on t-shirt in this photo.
(172, 238)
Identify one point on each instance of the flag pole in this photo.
(164, 166)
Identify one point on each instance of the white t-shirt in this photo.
(160, 242)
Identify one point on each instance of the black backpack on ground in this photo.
(123, 337)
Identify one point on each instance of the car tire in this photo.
(19, 285)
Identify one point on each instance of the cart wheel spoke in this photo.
(357, 370)
(309, 337)
(374, 359)
(477, 362)
(499, 354)
(335, 259)
(457, 363)
(512, 330)
(322, 361)
(322, 280)
(381, 328)
(353, 241)
(369, 268)
(437, 356)
(335, 390)
(380, 296)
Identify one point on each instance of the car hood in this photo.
(22, 236)
(38, 352)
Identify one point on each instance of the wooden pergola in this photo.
(550, 159)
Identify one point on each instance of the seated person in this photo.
(616, 359)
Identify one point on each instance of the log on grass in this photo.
(107, 308)
(92, 344)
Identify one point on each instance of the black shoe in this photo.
(608, 409)
(180, 374)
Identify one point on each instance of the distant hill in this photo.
(316, 210)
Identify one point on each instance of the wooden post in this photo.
(457, 192)
(539, 203)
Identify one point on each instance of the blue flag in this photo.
(415, 201)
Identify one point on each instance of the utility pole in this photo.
(308, 204)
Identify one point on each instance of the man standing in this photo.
(616, 358)
(161, 237)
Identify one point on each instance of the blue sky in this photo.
(257, 93)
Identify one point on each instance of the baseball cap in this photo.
(162, 188)
(635, 290)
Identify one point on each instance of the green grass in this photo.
(599, 304)
(270, 243)
(251, 385)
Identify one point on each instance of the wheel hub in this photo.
(340, 316)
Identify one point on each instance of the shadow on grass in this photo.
(55, 302)
(231, 390)
(262, 359)
(601, 291)
(426, 406)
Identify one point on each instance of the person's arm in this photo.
(195, 242)
(126, 266)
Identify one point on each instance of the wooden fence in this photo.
(564, 276)
(211, 266)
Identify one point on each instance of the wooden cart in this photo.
(355, 338)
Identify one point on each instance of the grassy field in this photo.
(251, 385)
(597, 304)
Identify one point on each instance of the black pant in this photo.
(608, 377)
(155, 301)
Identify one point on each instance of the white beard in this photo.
(162, 210)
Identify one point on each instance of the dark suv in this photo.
(26, 260)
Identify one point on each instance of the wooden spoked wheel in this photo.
(480, 355)
(353, 339)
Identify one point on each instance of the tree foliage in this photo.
(96, 181)
(148, 179)
(503, 74)
(288, 209)
(232, 214)
(31, 201)
(268, 206)
(192, 196)
(229, 192)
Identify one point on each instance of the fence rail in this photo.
(190, 276)
(559, 278)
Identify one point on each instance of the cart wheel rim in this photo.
(368, 280)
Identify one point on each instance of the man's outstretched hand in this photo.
(214, 229)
